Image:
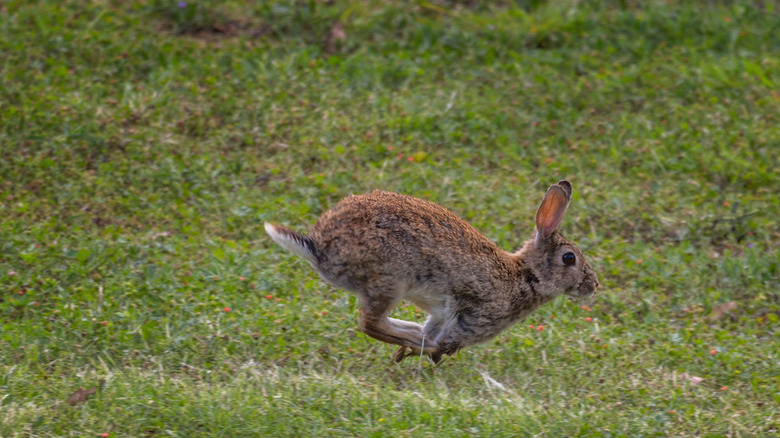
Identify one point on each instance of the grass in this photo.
(143, 146)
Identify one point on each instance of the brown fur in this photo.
(386, 247)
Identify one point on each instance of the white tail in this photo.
(294, 242)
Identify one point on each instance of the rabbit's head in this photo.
(562, 266)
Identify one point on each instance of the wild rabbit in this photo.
(386, 247)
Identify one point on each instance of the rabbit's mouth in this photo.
(586, 288)
(580, 294)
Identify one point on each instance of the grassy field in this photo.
(144, 143)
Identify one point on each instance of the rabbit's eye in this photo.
(568, 259)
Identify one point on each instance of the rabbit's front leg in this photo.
(445, 330)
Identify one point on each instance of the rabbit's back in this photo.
(384, 235)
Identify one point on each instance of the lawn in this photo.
(145, 143)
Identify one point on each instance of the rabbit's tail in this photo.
(297, 243)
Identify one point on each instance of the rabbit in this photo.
(387, 247)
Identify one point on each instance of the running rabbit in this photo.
(386, 247)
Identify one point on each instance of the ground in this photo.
(145, 143)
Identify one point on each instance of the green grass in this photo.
(143, 146)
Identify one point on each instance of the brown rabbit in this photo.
(386, 247)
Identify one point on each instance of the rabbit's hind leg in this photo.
(374, 322)
(427, 344)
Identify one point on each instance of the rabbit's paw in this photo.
(448, 349)
(401, 353)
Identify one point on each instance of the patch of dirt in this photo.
(80, 396)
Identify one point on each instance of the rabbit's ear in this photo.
(551, 211)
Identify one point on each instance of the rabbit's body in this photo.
(387, 247)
